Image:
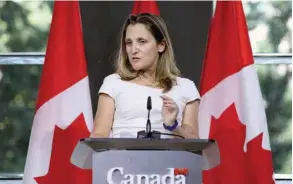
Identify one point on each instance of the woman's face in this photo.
(141, 47)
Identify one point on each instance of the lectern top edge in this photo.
(146, 139)
(191, 145)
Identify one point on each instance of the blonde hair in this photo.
(166, 71)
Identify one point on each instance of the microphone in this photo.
(148, 125)
(149, 103)
(148, 133)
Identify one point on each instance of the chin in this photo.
(137, 67)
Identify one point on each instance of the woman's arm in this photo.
(104, 117)
(189, 127)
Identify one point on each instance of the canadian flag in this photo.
(63, 111)
(146, 6)
(232, 109)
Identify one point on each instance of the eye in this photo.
(142, 41)
(128, 42)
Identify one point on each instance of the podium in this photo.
(146, 161)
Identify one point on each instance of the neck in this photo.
(148, 78)
(150, 75)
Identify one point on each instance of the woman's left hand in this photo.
(169, 110)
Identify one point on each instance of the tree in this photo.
(275, 84)
(19, 83)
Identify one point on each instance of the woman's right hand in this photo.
(169, 110)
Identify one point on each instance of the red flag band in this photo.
(149, 6)
(231, 109)
(63, 113)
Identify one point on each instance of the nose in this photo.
(134, 48)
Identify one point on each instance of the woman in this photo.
(146, 67)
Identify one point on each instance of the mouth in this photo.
(135, 58)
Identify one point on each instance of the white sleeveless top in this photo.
(130, 100)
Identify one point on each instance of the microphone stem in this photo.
(148, 126)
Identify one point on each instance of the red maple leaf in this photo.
(238, 167)
(61, 171)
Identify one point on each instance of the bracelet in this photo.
(172, 127)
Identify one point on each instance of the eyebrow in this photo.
(139, 38)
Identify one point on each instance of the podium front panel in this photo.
(146, 167)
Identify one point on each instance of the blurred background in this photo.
(24, 27)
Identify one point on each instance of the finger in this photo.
(164, 97)
(165, 104)
(168, 101)
(171, 106)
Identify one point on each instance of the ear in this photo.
(162, 46)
